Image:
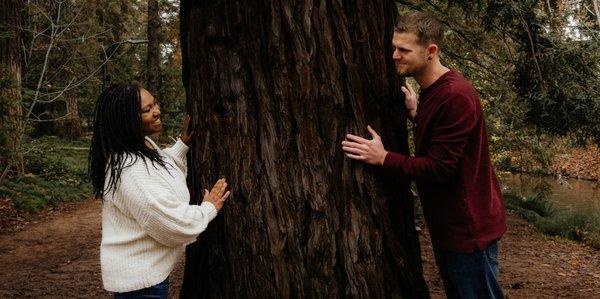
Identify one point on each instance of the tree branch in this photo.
(45, 65)
(597, 10)
(478, 64)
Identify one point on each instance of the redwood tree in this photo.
(10, 87)
(272, 88)
(73, 122)
(153, 58)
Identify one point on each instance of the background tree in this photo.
(272, 90)
(10, 87)
(153, 60)
(62, 66)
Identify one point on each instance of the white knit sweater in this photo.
(147, 222)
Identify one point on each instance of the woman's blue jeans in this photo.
(160, 290)
(470, 275)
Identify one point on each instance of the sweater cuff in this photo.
(394, 161)
(209, 210)
(179, 149)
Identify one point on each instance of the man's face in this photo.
(409, 56)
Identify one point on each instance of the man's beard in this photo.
(410, 72)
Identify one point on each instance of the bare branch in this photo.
(60, 93)
(32, 3)
(70, 23)
(106, 60)
(45, 65)
(491, 71)
(83, 38)
(597, 10)
(39, 120)
(531, 44)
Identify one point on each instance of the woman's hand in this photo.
(217, 195)
(186, 136)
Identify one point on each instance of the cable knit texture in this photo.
(147, 221)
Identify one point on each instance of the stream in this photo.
(566, 193)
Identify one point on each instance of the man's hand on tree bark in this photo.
(365, 150)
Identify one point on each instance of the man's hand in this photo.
(410, 100)
(217, 195)
(368, 151)
(185, 135)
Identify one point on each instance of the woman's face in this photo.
(149, 113)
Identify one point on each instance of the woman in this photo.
(146, 218)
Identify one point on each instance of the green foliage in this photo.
(60, 169)
(557, 68)
(531, 208)
(594, 239)
(576, 225)
(58, 159)
(565, 98)
(32, 193)
(581, 224)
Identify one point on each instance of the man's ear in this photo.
(432, 51)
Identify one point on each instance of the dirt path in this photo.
(59, 257)
(533, 266)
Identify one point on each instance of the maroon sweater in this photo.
(457, 185)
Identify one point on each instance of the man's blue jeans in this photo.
(160, 290)
(470, 275)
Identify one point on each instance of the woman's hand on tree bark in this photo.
(217, 195)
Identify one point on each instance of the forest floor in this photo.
(55, 253)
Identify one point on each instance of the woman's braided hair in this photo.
(117, 135)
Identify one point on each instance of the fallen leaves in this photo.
(583, 163)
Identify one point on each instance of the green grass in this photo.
(581, 224)
(56, 172)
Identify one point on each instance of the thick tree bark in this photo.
(272, 90)
(73, 125)
(153, 59)
(10, 87)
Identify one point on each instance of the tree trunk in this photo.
(73, 125)
(153, 59)
(10, 87)
(272, 90)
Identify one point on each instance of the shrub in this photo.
(57, 173)
(580, 224)
(33, 193)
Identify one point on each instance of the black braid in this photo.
(117, 136)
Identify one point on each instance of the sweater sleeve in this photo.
(178, 153)
(449, 136)
(147, 197)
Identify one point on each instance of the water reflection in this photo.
(563, 192)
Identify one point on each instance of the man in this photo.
(457, 185)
